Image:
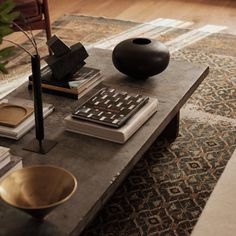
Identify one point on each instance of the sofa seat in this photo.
(218, 217)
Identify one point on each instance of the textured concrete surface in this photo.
(99, 166)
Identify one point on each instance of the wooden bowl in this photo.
(37, 190)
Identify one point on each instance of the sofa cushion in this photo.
(219, 215)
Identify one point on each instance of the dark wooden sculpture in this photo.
(65, 60)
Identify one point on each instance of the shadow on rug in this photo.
(168, 188)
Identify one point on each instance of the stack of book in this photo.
(84, 80)
(17, 116)
(111, 115)
(8, 162)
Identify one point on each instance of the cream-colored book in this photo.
(3, 152)
(5, 161)
(14, 164)
(18, 131)
(120, 135)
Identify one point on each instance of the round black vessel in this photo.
(140, 57)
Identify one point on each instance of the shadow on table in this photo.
(32, 227)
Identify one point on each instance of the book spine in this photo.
(14, 164)
(46, 74)
(60, 93)
(5, 162)
(56, 90)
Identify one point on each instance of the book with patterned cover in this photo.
(110, 107)
(117, 135)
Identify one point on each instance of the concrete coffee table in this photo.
(99, 166)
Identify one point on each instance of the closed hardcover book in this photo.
(120, 135)
(18, 131)
(81, 82)
(4, 151)
(14, 164)
(69, 92)
(5, 161)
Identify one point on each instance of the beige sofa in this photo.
(219, 215)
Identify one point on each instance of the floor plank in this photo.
(199, 11)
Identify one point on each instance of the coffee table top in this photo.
(99, 165)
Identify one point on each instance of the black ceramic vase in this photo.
(140, 57)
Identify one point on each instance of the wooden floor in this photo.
(201, 12)
(220, 12)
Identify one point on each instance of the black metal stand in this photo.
(38, 145)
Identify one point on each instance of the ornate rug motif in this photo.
(168, 188)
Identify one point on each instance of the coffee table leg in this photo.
(172, 129)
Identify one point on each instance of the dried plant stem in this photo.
(32, 37)
(18, 45)
(32, 40)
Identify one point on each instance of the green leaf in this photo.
(7, 13)
(5, 30)
(7, 6)
(3, 69)
(6, 52)
(8, 18)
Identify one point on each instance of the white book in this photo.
(120, 135)
(4, 151)
(27, 124)
(5, 161)
(5, 156)
(14, 164)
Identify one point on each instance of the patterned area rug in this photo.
(168, 188)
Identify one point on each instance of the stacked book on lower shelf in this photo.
(17, 116)
(8, 162)
(115, 118)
